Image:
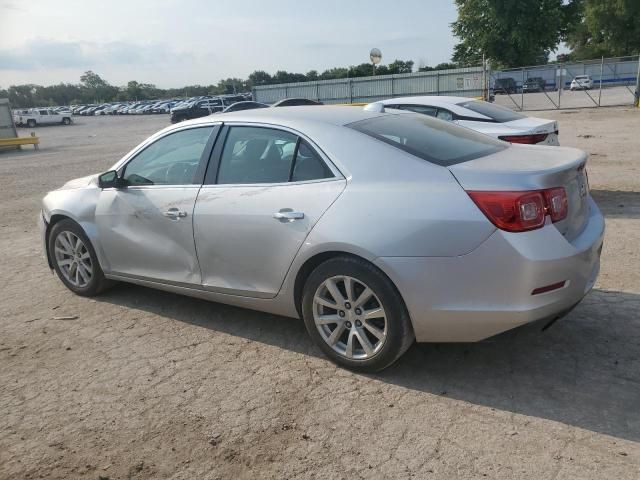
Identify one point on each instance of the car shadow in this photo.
(617, 203)
(584, 371)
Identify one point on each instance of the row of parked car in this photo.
(153, 106)
(204, 107)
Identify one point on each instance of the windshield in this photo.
(495, 112)
(428, 138)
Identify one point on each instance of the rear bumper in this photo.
(489, 291)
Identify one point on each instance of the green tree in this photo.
(133, 90)
(400, 66)
(511, 33)
(333, 73)
(605, 28)
(95, 88)
(260, 77)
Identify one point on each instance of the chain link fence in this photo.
(592, 83)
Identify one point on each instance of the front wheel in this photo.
(75, 260)
(355, 315)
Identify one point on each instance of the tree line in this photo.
(94, 89)
(518, 33)
(509, 33)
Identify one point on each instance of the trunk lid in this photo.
(525, 167)
(533, 125)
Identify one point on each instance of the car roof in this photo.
(454, 104)
(292, 116)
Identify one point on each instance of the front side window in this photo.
(171, 160)
(266, 155)
(437, 142)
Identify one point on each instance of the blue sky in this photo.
(172, 43)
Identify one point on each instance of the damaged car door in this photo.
(145, 223)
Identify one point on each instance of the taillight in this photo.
(528, 139)
(556, 203)
(522, 211)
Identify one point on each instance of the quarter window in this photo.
(445, 115)
(308, 165)
(171, 160)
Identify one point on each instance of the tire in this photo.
(31, 123)
(388, 334)
(64, 252)
(66, 121)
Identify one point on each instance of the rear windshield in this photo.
(428, 138)
(494, 112)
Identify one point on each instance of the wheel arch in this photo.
(314, 261)
(55, 218)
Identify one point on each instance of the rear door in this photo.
(265, 189)
(45, 118)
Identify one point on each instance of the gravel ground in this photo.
(141, 384)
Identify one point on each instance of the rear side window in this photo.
(494, 112)
(433, 140)
(267, 155)
(423, 109)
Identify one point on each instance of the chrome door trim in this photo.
(191, 286)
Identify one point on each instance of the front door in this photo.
(146, 228)
(249, 223)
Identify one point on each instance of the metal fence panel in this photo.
(466, 82)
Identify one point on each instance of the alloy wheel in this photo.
(73, 259)
(350, 317)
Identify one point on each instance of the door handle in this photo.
(174, 213)
(284, 215)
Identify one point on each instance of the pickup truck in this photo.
(41, 116)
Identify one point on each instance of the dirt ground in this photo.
(150, 385)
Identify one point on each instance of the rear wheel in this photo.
(66, 121)
(31, 123)
(75, 260)
(355, 315)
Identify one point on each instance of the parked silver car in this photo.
(375, 228)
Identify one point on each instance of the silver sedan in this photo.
(376, 228)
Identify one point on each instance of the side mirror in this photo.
(110, 179)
